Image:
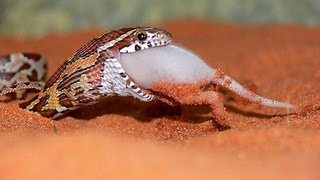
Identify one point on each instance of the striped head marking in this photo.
(136, 39)
(145, 37)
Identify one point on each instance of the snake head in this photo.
(146, 37)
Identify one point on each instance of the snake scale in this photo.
(90, 75)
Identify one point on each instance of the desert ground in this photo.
(122, 138)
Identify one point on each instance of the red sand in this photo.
(124, 138)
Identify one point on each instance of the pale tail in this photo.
(240, 90)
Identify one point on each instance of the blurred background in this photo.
(39, 17)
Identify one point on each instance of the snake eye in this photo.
(141, 36)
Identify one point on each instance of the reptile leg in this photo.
(210, 98)
(195, 95)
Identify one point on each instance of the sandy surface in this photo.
(122, 138)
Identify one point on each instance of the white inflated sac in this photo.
(165, 64)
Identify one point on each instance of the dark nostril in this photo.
(137, 48)
(123, 75)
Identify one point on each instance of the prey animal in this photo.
(95, 72)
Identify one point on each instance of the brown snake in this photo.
(90, 75)
(23, 70)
